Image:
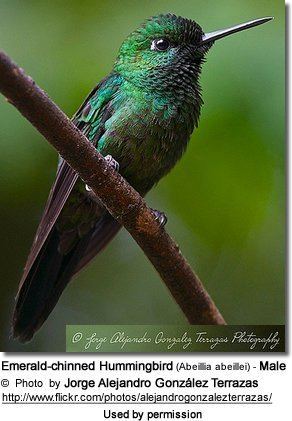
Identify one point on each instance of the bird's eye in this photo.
(161, 44)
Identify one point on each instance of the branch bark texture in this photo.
(120, 199)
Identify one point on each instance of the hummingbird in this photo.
(140, 118)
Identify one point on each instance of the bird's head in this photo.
(167, 51)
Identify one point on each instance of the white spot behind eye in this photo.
(153, 45)
(160, 44)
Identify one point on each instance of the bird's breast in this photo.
(147, 139)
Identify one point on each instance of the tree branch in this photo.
(120, 199)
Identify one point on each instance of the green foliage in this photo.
(225, 200)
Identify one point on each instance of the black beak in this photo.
(213, 36)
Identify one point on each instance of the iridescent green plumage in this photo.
(142, 115)
(146, 108)
(154, 97)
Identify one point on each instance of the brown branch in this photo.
(121, 200)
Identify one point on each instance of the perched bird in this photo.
(140, 117)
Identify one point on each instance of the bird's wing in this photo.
(105, 229)
(95, 106)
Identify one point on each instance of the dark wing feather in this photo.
(105, 229)
(64, 183)
(48, 270)
(60, 191)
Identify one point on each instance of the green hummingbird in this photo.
(140, 117)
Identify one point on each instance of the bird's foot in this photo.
(160, 217)
(112, 162)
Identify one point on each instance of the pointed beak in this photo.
(213, 36)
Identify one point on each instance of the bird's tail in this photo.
(49, 275)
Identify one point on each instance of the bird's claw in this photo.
(112, 162)
(160, 217)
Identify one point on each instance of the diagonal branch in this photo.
(120, 199)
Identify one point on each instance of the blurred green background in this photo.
(225, 200)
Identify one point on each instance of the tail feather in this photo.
(104, 231)
(41, 288)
